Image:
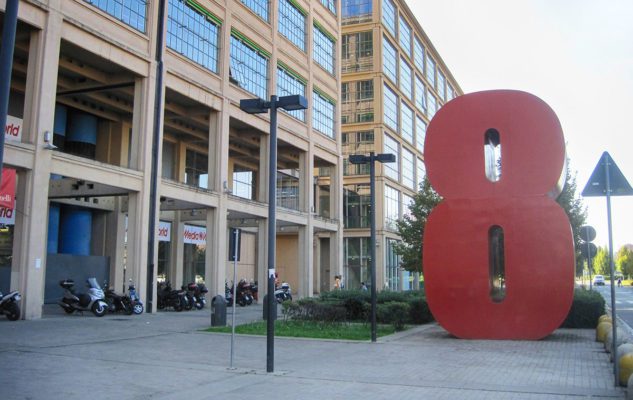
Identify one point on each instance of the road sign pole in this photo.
(612, 266)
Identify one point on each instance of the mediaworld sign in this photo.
(13, 129)
(195, 235)
(164, 231)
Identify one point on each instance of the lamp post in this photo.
(258, 106)
(370, 159)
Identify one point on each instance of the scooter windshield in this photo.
(93, 283)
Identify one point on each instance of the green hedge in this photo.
(587, 307)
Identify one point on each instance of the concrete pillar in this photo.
(177, 256)
(306, 257)
(39, 112)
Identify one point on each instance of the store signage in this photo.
(7, 188)
(13, 129)
(195, 235)
(164, 231)
(7, 215)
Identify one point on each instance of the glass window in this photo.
(441, 81)
(357, 261)
(358, 51)
(323, 115)
(418, 55)
(405, 36)
(408, 168)
(249, 68)
(430, 71)
(356, 206)
(259, 7)
(389, 16)
(451, 92)
(196, 167)
(420, 133)
(292, 23)
(406, 203)
(407, 123)
(390, 105)
(243, 182)
(391, 147)
(356, 143)
(420, 94)
(330, 5)
(406, 79)
(288, 189)
(389, 60)
(358, 104)
(193, 34)
(356, 11)
(432, 106)
(392, 265)
(421, 171)
(289, 84)
(130, 12)
(323, 52)
(392, 207)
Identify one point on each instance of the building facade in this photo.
(393, 82)
(135, 160)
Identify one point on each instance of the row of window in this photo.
(404, 169)
(403, 120)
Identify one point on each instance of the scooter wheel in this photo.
(138, 309)
(99, 309)
(199, 305)
(127, 306)
(13, 311)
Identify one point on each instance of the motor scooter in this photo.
(93, 301)
(137, 304)
(283, 292)
(9, 305)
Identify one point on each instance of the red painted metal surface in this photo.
(538, 243)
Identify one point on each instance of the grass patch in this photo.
(310, 329)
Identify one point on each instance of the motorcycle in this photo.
(137, 304)
(189, 297)
(9, 305)
(117, 302)
(197, 292)
(243, 296)
(167, 297)
(283, 292)
(93, 301)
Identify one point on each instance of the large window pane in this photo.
(323, 52)
(288, 85)
(356, 143)
(249, 68)
(392, 265)
(421, 171)
(323, 115)
(356, 206)
(390, 106)
(358, 102)
(405, 36)
(292, 24)
(358, 51)
(406, 79)
(420, 94)
(420, 133)
(418, 55)
(259, 7)
(389, 60)
(131, 12)
(330, 5)
(430, 71)
(432, 106)
(356, 11)
(389, 16)
(192, 34)
(391, 147)
(392, 207)
(408, 169)
(407, 123)
(196, 167)
(441, 82)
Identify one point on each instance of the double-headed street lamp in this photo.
(258, 106)
(362, 159)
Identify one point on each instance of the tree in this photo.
(624, 260)
(576, 212)
(601, 264)
(411, 227)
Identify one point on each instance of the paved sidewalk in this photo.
(165, 356)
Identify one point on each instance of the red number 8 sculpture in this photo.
(537, 246)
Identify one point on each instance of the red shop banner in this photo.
(7, 188)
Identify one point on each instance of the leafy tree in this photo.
(601, 264)
(576, 212)
(411, 227)
(624, 260)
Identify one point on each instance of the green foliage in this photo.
(311, 309)
(601, 264)
(587, 307)
(394, 313)
(624, 261)
(576, 212)
(411, 227)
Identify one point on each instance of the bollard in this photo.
(626, 368)
(624, 348)
(608, 341)
(266, 308)
(218, 311)
(604, 318)
(602, 330)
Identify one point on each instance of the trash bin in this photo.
(266, 308)
(218, 311)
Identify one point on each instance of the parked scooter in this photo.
(243, 296)
(283, 292)
(197, 291)
(117, 302)
(9, 305)
(190, 299)
(92, 301)
(167, 297)
(137, 304)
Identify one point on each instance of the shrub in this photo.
(357, 309)
(419, 312)
(587, 307)
(311, 309)
(394, 313)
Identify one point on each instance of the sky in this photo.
(575, 55)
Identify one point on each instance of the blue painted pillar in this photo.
(81, 136)
(75, 231)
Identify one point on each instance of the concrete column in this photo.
(216, 255)
(336, 212)
(39, 112)
(177, 254)
(306, 257)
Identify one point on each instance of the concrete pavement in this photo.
(165, 356)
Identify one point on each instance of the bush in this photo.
(419, 312)
(587, 307)
(394, 313)
(311, 309)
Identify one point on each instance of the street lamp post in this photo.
(362, 159)
(258, 106)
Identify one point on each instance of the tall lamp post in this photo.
(258, 106)
(362, 159)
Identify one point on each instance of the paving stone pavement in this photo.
(166, 356)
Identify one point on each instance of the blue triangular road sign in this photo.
(597, 184)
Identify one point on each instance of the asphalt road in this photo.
(623, 301)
